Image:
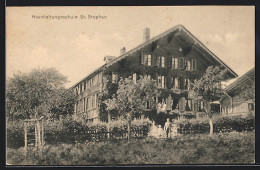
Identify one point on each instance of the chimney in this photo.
(146, 35)
(122, 51)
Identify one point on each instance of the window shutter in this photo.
(181, 63)
(165, 61)
(142, 58)
(153, 60)
(172, 82)
(157, 60)
(156, 78)
(193, 65)
(169, 61)
(145, 59)
(114, 77)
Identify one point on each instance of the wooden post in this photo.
(39, 133)
(42, 133)
(25, 135)
(36, 136)
(108, 126)
(39, 147)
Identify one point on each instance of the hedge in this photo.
(220, 125)
(71, 131)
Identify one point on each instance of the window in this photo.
(85, 85)
(76, 91)
(175, 63)
(201, 106)
(84, 104)
(149, 62)
(181, 63)
(163, 61)
(114, 77)
(193, 64)
(144, 59)
(175, 83)
(90, 82)
(87, 105)
(188, 105)
(148, 76)
(188, 65)
(80, 87)
(187, 84)
(134, 78)
(161, 81)
(148, 105)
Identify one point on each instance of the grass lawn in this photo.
(226, 148)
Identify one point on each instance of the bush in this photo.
(220, 124)
(238, 124)
(15, 134)
(193, 126)
(73, 131)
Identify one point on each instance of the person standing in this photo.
(167, 127)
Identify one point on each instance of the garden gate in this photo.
(33, 133)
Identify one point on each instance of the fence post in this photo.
(36, 135)
(25, 135)
(42, 133)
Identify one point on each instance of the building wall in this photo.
(236, 105)
(136, 64)
(87, 97)
(157, 60)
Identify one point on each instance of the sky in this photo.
(76, 47)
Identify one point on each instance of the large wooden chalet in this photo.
(174, 59)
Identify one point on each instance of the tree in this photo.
(32, 94)
(132, 98)
(208, 87)
(62, 103)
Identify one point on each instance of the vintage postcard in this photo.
(130, 85)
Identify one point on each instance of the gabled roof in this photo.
(247, 77)
(178, 27)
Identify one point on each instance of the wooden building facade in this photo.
(174, 59)
(233, 102)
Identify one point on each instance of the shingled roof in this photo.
(167, 32)
(243, 80)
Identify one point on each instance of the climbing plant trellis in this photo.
(33, 133)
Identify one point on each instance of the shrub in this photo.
(15, 134)
(220, 124)
(239, 124)
(193, 126)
